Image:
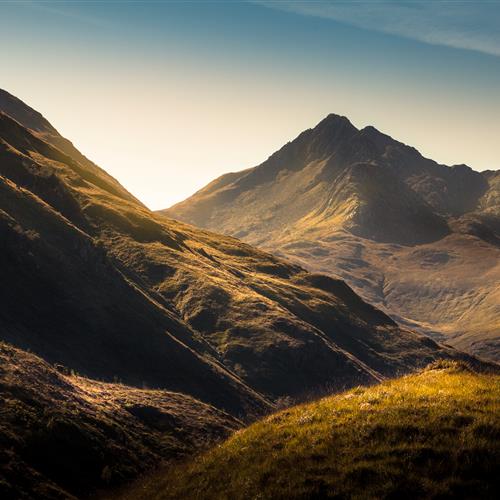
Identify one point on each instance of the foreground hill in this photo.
(419, 240)
(64, 435)
(435, 434)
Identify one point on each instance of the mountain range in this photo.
(417, 239)
(125, 333)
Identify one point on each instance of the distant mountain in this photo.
(418, 239)
(97, 284)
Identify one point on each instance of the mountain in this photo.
(434, 434)
(95, 284)
(417, 239)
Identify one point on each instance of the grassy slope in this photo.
(62, 434)
(65, 300)
(433, 434)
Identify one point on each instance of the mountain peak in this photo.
(333, 120)
(374, 133)
(370, 129)
(328, 134)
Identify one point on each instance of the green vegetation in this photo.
(435, 434)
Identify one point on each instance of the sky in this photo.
(168, 95)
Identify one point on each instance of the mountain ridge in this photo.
(196, 283)
(357, 204)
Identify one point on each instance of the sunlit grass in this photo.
(432, 434)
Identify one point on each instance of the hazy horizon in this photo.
(166, 96)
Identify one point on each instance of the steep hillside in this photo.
(64, 299)
(419, 240)
(34, 121)
(64, 435)
(431, 435)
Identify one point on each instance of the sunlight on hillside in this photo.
(434, 433)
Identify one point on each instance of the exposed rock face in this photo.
(417, 239)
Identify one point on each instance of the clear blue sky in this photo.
(168, 95)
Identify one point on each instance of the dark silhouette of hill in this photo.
(417, 239)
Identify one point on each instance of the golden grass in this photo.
(433, 434)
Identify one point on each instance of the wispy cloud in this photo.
(69, 10)
(470, 25)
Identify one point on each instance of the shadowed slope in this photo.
(67, 301)
(63, 434)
